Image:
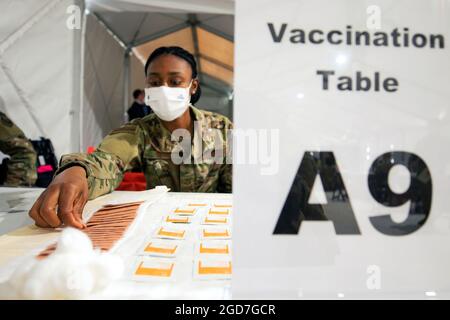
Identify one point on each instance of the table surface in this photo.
(27, 239)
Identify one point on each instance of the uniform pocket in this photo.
(208, 177)
(157, 172)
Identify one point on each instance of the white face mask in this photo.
(168, 103)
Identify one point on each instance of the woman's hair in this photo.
(183, 54)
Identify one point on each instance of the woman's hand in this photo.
(63, 201)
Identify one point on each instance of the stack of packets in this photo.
(204, 228)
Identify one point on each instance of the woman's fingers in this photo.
(47, 210)
(63, 200)
(66, 204)
(34, 212)
(80, 202)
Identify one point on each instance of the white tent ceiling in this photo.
(113, 28)
(208, 36)
(200, 6)
(135, 28)
(72, 85)
(39, 70)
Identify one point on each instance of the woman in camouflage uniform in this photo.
(21, 166)
(151, 144)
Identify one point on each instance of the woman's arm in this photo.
(120, 151)
(64, 199)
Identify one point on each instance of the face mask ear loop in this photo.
(189, 90)
(190, 83)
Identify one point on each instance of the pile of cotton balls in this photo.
(74, 271)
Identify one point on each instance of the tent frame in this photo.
(192, 22)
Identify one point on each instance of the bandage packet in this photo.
(167, 231)
(215, 232)
(212, 269)
(215, 220)
(222, 205)
(174, 218)
(153, 269)
(160, 248)
(185, 211)
(199, 204)
(219, 211)
(213, 248)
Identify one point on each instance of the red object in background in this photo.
(46, 168)
(133, 181)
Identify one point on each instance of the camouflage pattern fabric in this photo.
(146, 145)
(21, 170)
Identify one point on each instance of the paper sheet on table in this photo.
(13, 246)
(151, 195)
(150, 217)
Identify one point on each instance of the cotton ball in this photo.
(73, 240)
(73, 271)
(66, 277)
(76, 281)
(106, 267)
(20, 275)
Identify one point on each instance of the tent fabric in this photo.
(137, 77)
(215, 47)
(182, 38)
(215, 54)
(37, 68)
(112, 34)
(134, 28)
(209, 36)
(103, 84)
(74, 86)
(206, 6)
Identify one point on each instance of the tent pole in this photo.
(81, 83)
(215, 61)
(126, 82)
(215, 31)
(109, 30)
(193, 22)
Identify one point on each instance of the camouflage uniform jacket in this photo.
(21, 168)
(144, 144)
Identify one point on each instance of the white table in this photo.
(14, 206)
(19, 244)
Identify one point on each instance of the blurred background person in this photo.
(138, 109)
(20, 168)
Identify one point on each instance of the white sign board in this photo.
(354, 97)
